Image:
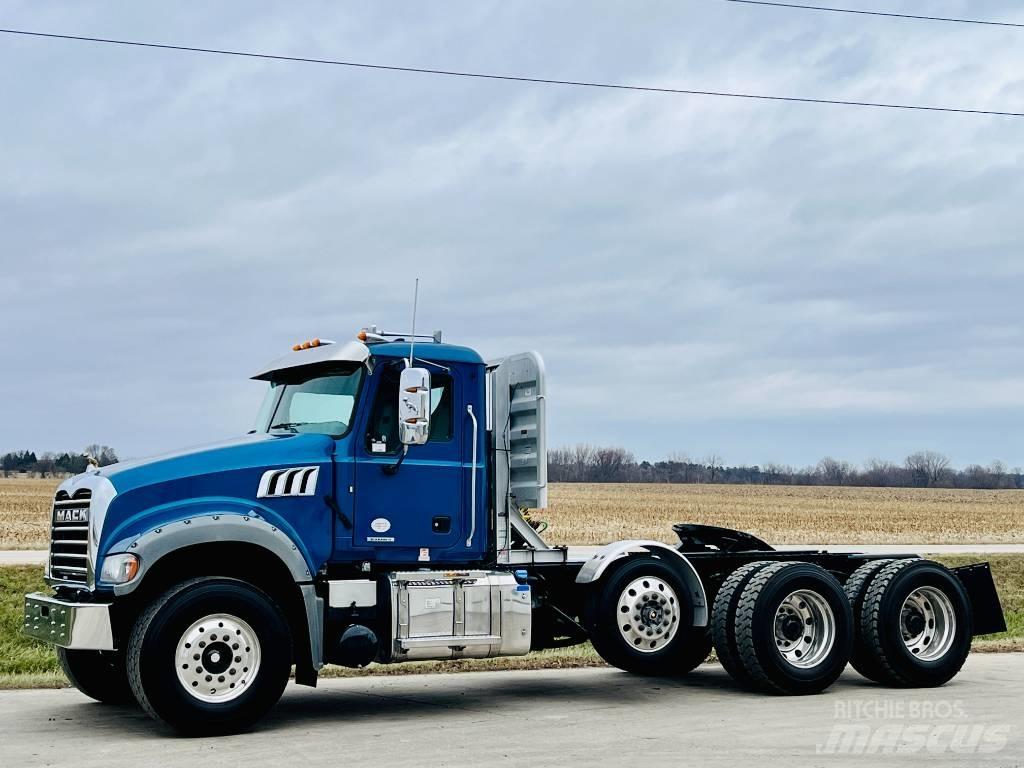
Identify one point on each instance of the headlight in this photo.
(119, 569)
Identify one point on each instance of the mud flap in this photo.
(986, 611)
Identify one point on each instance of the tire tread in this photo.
(138, 636)
(722, 619)
(856, 588)
(744, 627)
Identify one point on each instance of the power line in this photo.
(512, 78)
(914, 16)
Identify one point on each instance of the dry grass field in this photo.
(594, 514)
(25, 513)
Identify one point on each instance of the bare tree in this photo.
(999, 478)
(680, 468)
(47, 464)
(775, 474)
(603, 464)
(977, 476)
(881, 473)
(611, 465)
(103, 454)
(833, 471)
(928, 468)
(713, 465)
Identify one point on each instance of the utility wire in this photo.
(802, 7)
(511, 78)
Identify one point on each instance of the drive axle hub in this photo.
(648, 613)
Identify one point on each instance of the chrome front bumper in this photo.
(78, 626)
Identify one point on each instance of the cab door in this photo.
(410, 510)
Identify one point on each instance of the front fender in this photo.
(204, 529)
(595, 567)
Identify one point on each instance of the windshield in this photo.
(321, 402)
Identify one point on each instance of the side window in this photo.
(382, 434)
(440, 407)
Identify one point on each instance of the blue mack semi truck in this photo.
(379, 513)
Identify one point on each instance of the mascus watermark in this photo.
(910, 726)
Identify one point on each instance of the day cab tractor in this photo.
(379, 513)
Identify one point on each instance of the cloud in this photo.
(699, 273)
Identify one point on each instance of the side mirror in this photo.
(414, 406)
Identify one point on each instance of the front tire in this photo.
(210, 656)
(640, 620)
(100, 675)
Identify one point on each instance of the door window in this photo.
(382, 434)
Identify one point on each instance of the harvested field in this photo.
(598, 513)
(25, 512)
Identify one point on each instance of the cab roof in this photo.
(357, 352)
(426, 350)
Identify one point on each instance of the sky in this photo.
(769, 282)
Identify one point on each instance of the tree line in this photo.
(49, 464)
(923, 469)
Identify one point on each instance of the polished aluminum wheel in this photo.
(217, 658)
(648, 613)
(928, 623)
(805, 628)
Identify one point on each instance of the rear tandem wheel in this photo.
(788, 629)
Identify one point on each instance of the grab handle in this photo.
(472, 480)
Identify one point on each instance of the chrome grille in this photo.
(69, 537)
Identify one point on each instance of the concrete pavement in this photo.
(588, 717)
(38, 556)
(23, 556)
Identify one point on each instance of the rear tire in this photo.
(794, 628)
(722, 620)
(654, 635)
(210, 656)
(916, 621)
(100, 675)
(856, 588)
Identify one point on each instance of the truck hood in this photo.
(221, 478)
(256, 451)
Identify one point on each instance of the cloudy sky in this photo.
(771, 282)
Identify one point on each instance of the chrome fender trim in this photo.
(595, 567)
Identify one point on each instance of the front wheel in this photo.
(210, 656)
(640, 620)
(100, 675)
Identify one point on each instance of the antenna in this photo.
(412, 336)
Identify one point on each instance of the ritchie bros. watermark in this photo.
(911, 726)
